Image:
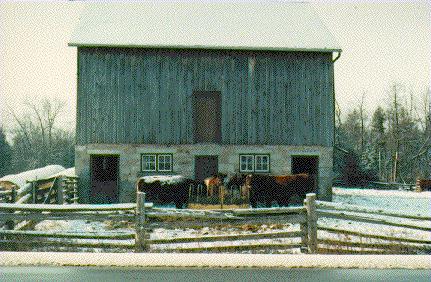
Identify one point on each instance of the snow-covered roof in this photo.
(40, 173)
(164, 179)
(208, 25)
(70, 172)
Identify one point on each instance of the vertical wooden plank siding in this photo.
(144, 95)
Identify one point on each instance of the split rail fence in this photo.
(365, 241)
(140, 219)
(146, 218)
(54, 190)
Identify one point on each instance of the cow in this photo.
(239, 181)
(215, 184)
(280, 188)
(423, 185)
(165, 189)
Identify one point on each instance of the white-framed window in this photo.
(254, 163)
(164, 162)
(246, 163)
(156, 162)
(261, 163)
(148, 162)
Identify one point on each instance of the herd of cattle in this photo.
(258, 189)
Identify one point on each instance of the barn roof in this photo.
(209, 25)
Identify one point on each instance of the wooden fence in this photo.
(8, 196)
(145, 218)
(359, 241)
(156, 218)
(142, 218)
(54, 190)
(28, 239)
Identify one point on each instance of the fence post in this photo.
(33, 192)
(140, 244)
(60, 191)
(13, 195)
(304, 229)
(310, 205)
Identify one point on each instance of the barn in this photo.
(197, 89)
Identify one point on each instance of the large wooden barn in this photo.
(195, 89)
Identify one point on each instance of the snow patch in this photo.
(380, 193)
(216, 260)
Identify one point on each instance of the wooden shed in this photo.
(200, 88)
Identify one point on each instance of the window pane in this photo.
(148, 162)
(165, 162)
(262, 163)
(246, 163)
(250, 163)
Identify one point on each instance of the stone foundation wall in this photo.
(184, 157)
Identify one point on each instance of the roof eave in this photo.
(243, 48)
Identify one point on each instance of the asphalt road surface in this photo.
(106, 274)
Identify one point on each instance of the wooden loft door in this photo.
(207, 117)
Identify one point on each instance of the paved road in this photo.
(106, 274)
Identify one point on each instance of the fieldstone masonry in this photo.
(183, 162)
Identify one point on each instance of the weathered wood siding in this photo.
(145, 96)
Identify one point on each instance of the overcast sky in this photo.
(382, 43)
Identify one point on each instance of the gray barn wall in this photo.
(184, 158)
(141, 96)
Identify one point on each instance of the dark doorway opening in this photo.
(205, 166)
(104, 179)
(207, 117)
(308, 165)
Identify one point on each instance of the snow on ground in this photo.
(409, 202)
(405, 201)
(215, 260)
(380, 193)
(161, 233)
(70, 225)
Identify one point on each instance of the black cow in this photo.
(239, 181)
(269, 188)
(165, 189)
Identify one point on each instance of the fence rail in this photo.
(8, 196)
(360, 242)
(146, 217)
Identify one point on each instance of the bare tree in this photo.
(37, 141)
(395, 92)
(362, 117)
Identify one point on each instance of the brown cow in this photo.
(423, 185)
(215, 185)
(279, 188)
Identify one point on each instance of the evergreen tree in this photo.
(378, 143)
(5, 155)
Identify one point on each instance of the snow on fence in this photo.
(21, 179)
(50, 184)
